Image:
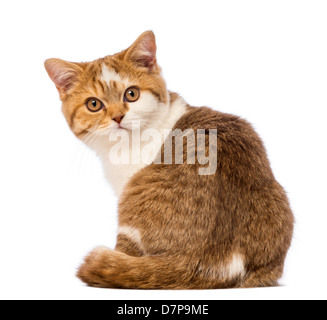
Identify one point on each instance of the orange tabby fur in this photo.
(178, 229)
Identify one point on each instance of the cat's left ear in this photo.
(143, 52)
(64, 74)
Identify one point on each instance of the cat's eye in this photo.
(94, 104)
(132, 94)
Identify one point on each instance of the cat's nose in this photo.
(118, 119)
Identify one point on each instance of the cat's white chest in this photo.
(118, 175)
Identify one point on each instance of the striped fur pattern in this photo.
(177, 229)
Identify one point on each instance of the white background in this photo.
(263, 60)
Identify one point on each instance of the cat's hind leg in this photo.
(129, 246)
(266, 276)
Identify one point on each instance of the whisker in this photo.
(90, 138)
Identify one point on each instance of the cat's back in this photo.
(240, 150)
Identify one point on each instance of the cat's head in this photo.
(113, 92)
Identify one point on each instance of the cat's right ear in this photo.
(64, 74)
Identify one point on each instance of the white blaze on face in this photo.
(111, 75)
(144, 110)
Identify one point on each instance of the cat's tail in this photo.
(113, 269)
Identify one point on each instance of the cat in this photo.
(178, 229)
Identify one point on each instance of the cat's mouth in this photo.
(105, 129)
(120, 126)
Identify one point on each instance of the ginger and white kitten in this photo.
(178, 229)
